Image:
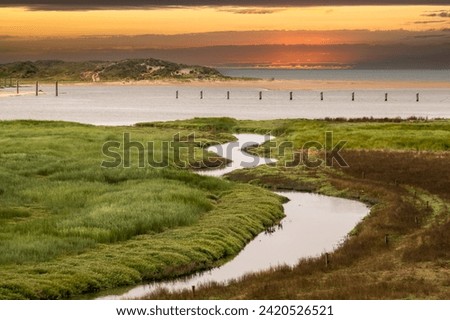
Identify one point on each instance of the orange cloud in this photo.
(20, 22)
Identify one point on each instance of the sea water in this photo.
(340, 75)
(127, 105)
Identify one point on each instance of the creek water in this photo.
(313, 224)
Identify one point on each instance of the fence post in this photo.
(353, 96)
(17, 86)
(260, 95)
(201, 94)
(290, 95)
(417, 97)
(321, 96)
(386, 97)
(228, 95)
(56, 88)
(37, 88)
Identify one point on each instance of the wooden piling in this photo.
(228, 95)
(321, 96)
(385, 97)
(291, 96)
(56, 88)
(201, 94)
(260, 95)
(417, 97)
(37, 88)
(176, 94)
(353, 96)
(17, 86)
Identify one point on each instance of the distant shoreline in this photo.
(278, 84)
(264, 84)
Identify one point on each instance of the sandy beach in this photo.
(286, 84)
(259, 84)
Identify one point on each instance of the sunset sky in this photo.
(408, 34)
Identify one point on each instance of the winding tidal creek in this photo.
(314, 224)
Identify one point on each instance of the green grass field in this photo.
(401, 168)
(378, 134)
(69, 226)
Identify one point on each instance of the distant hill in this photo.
(94, 71)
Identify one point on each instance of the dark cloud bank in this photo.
(398, 49)
(359, 56)
(101, 4)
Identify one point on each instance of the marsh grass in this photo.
(405, 181)
(55, 168)
(73, 227)
(413, 265)
(414, 134)
(69, 227)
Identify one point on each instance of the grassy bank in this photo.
(367, 133)
(69, 226)
(400, 251)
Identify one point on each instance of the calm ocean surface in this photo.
(344, 75)
(126, 105)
